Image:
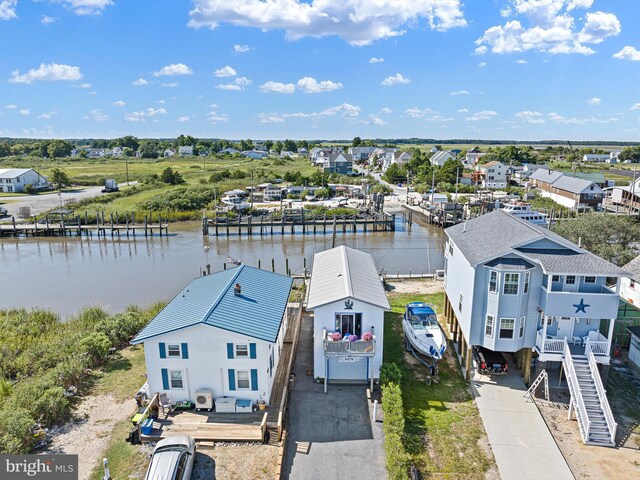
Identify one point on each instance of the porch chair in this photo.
(165, 403)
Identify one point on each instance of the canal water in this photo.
(67, 274)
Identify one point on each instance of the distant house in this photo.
(571, 192)
(440, 157)
(360, 154)
(627, 196)
(491, 175)
(347, 298)
(95, 152)
(341, 163)
(286, 154)
(185, 151)
(14, 180)
(302, 151)
(472, 158)
(228, 151)
(116, 151)
(596, 157)
(395, 156)
(522, 176)
(630, 286)
(223, 333)
(254, 154)
(168, 153)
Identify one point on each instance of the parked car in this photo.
(110, 185)
(172, 459)
(490, 362)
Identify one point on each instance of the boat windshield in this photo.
(423, 320)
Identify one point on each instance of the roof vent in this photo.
(464, 226)
(237, 290)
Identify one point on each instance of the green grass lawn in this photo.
(443, 429)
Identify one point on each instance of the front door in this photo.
(565, 327)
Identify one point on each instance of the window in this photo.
(522, 323)
(488, 328)
(493, 281)
(460, 303)
(570, 280)
(173, 351)
(349, 323)
(589, 279)
(243, 378)
(555, 278)
(511, 283)
(176, 379)
(506, 327)
(450, 247)
(242, 350)
(526, 281)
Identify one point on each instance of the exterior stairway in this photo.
(589, 399)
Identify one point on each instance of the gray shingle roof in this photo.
(566, 261)
(13, 172)
(635, 331)
(510, 264)
(633, 267)
(576, 185)
(546, 175)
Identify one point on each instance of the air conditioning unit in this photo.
(204, 400)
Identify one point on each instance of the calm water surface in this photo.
(67, 274)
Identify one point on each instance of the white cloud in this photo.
(160, 102)
(48, 115)
(12, 106)
(267, 118)
(386, 110)
(169, 85)
(346, 110)
(396, 79)
(438, 118)
(119, 103)
(463, 110)
(278, 87)
(628, 53)
(483, 115)
(635, 106)
(416, 112)
(549, 28)
(460, 92)
(215, 117)
(241, 48)
(375, 120)
(238, 84)
(533, 118)
(96, 115)
(214, 106)
(173, 70)
(225, 71)
(184, 119)
(482, 64)
(47, 20)
(594, 101)
(521, 61)
(8, 9)
(359, 22)
(140, 82)
(84, 85)
(143, 114)
(24, 112)
(311, 85)
(51, 72)
(554, 117)
(86, 7)
(376, 60)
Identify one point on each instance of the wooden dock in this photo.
(298, 221)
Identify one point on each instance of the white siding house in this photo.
(185, 151)
(347, 298)
(212, 337)
(440, 157)
(15, 179)
(630, 287)
(634, 348)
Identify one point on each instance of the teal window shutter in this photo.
(254, 379)
(229, 350)
(163, 350)
(232, 379)
(165, 379)
(252, 350)
(185, 350)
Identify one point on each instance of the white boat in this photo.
(235, 202)
(422, 330)
(523, 210)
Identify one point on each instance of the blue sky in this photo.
(486, 69)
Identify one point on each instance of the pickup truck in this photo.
(490, 362)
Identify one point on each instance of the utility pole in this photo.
(633, 191)
(251, 190)
(126, 161)
(433, 184)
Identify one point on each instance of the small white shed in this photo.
(348, 302)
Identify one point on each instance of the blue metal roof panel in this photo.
(210, 299)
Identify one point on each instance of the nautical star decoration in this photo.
(580, 307)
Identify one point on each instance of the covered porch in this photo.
(346, 352)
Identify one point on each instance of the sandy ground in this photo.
(236, 462)
(89, 436)
(418, 287)
(588, 462)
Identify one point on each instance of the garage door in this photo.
(348, 368)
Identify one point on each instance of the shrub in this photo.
(30, 189)
(397, 458)
(96, 346)
(120, 328)
(390, 373)
(15, 431)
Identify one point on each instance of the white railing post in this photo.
(576, 396)
(612, 426)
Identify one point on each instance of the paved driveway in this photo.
(521, 442)
(342, 442)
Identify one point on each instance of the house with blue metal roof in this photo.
(221, 336)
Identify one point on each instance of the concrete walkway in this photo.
(329, 435)
(521, 442)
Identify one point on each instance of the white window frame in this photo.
(570, 277)
(488, 328)
(238, 380)
(554, 277)
(586, 279)
(460, 303)
(527, 278)
(493, 274)
(505, 283)
(171, 378)
(174, 350)
(241, 352)
(513, 329)
(521, 328)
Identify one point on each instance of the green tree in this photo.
(268, 145)
(395, 173)
(290, 146)
(129, 152)
(148, 150)
(278, 147)
(323, 192)
(59, 178)
(128, 141)
(185, 141)
(447, 173)
(630, 153)
(5, 149)
(356, 142)
(171, 176)
(59, 148)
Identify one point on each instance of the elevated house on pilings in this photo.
(518, 288)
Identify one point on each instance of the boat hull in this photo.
(430, 346)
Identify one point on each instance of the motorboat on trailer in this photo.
(422, 331)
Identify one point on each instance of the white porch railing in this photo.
(576, 396)
(343, 347)
(598, 342)
(602, 393)
(549, 345)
